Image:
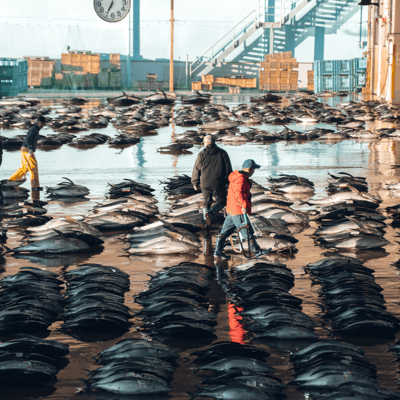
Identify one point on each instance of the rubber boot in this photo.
(216, 208)
(256, 250)
(219, 247)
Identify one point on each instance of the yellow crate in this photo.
(294, 87)
(285, 87)
(265, 86)
(207, 79)
(250, 83)
(275, 87)
(196, 85)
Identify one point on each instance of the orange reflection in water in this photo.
(236, 328)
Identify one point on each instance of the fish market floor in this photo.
(95, 167)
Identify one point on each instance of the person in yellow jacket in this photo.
(28, 159)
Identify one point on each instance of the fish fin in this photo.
(61, 234)
(69, 180)
(169, 226)
(353, 189)
(358, 223)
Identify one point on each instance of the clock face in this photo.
(112, 10)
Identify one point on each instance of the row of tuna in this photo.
(95, 298)
(332, 370)
(132, 367)
(260, 292)
(353, 301)
(31, 361)
(175, 304)
(238, 372)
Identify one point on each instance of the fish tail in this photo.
(8, 250)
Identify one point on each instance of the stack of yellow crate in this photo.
(38, 68)
(310, 80)
(277, 72)
(88, 61)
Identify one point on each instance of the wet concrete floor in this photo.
(95, 167)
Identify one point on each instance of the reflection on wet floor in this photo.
(95, 166)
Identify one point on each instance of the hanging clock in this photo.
(112, 10)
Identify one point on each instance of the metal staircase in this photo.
(270, 29)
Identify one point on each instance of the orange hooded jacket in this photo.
(238, 194)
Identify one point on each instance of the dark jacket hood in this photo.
(211, 149)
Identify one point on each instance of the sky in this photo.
(47, 27)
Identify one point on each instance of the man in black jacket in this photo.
(210, 172)
(28, 159)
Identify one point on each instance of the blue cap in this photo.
(250, 164)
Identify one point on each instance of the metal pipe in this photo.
(171, 61)
(187, 69)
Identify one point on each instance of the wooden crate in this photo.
(268, 57)
(310, 81)
(234, 90)
(264, 64)
(285, 87)
(294, 87)
(247, 83)
(275, 80)
(265, 86)
(287, 54)
(196, 85)
(285, 74)
(294, 65)
(264, 74)
(275, 74)
(275, 87)
(206, 86)
(284, 81)
(265, 80)
(310, 74)
(207, 79)
(293, 81)
(58, 76)
(310, 87)
(294, 74)
(115, 58)
(89, 62)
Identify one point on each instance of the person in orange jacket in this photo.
(238, 208)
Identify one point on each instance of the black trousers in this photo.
(219, 194)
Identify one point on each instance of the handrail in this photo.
(223, 37)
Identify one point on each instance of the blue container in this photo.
(343, 67)
(322, 67)
(360, 65)
(345, 84)
(322, 83)
(360, 80)
(13, 76)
